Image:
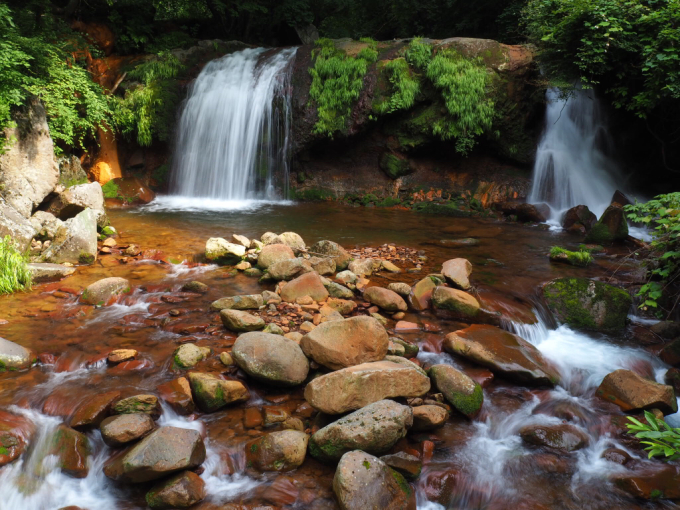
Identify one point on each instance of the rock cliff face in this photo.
(396, 155)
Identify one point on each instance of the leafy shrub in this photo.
(580, 258)
(14, 273)
(662, 214)
(404, 87)
(148, 110)
(661, 438)
(463, 85)
(418, 54)
(337, 80)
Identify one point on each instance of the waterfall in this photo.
(572, 166)
(233, 134)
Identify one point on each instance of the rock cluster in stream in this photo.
(323, 328)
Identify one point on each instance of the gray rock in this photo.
(333, 250)
(100, 292)
(271, 358)
(14, 356)
(75, 241)
(46, 225)
(289, 269)
(363, 267)
(346, 277)
(43, 271)
(236, 320)
(403, 289)
(322, 265)
(336, 290)
(220, 250)
(15, 225)
(76, 199)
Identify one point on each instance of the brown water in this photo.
(468, 465)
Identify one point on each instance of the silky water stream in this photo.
(479, 464)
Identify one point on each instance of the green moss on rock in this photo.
(394, 166)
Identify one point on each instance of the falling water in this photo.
(233, 134)
(572, 166)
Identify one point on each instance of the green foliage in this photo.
(418, 54)
(580, 258)
(14, 273)
(662, 214)
(661, 439)
(404, 87)
(337, 80)
(148, 110)
(42, 64)
(630, 46)
(111, 190)
(463, 84)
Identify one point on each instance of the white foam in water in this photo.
(175, 203)
(220, 486)
(183, 270)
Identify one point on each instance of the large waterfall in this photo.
(572, 166)
(233, 135)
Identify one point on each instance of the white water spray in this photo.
(233, 135)
(572, 167)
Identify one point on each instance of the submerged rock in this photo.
(213, 393)
(183, 490)
(386, 299)
(503, 353)
(653, 483)
(164, 451)
(464, 394)
(118, 430)
(634, 393)
(222, 251)
(308, 284)
(343, 343)
(587, 304)
(355, 387)
(103, 292)
(271, 358)
(363, 481)
(14, 356)
(374, 429)
(236, 320)
(332, 250)
(283, 450)
(563, 437)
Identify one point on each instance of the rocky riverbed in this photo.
(325, 357)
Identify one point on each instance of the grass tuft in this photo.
(14, 273)
(575, 258)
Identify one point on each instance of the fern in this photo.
(14, 273)
(418, 54)
(404, 87)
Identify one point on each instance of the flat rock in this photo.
(343, 343)
(503, 353)
(44, 271)
(408, 465)
(249, 302)
(563, 437)
(634, 393)
(147, 404)
(92, 411)
(163, 452)
(374, 428)
(271, 358)
(461, 304)
(118, 430)
(355, 387)
(428, 417)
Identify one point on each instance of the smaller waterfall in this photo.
(572, 166)
(233, 135)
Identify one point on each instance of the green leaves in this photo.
(661, 438)
(14, 274)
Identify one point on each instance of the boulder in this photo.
(76, 199)
(666, 329)
(336, 290)
(538, 213)
(14, 356)
(464, 394)
(503, 353)
(72, 450)
(212, 393)
(364, 481)
(118, 430)
(587, 304)
(343, 343)
(577, 216)
(42, 271)
(403, 289)
(332, 250)
(620, 199)
(456, 272)
(386, 299)
(408, 465)
(92, 411)
(251, 302)
(612, 226)
(289, 269)
(293, 241)
(270, 238)
(236, 320)
(631, 392)
(188, 355)
(389, 267)
(222, 251)
(563, 438)
(104, 291)
(28, 170)
(283, 450)
(671, 353)
(273, 253)
(183, 490)
(15, 431)
(355, 387)
(163, 452)
(308, 284)
(147, 404)
(177, 393)
(75, 241)
(271, 358)
(13, 224)
(420, 295)
(460, 304)
(322, 265)
(374, 429)
(363, 267)
(428, 417)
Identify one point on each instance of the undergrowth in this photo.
(14, 273)
(404, 87)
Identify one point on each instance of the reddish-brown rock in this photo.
(177, 393)
(93, 410)
(634, 393)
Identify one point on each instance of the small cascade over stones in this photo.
(572, 164)
(234, 130)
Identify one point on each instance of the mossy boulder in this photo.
(394, 165)
(587, 304)
(612, 226)
(103, 292)
(147, 404)
(188, 355)
(212, 393)
(464, 394)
